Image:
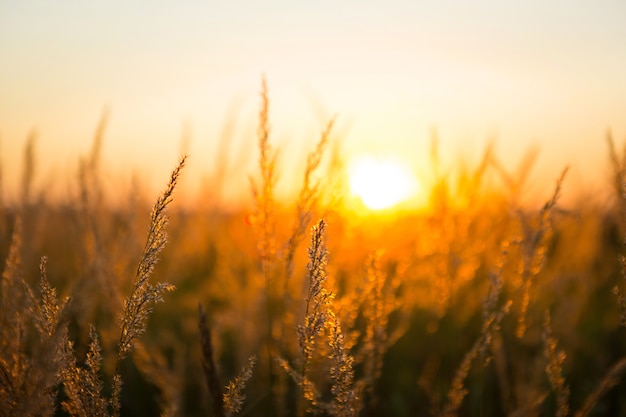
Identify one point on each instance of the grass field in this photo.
(475, 305)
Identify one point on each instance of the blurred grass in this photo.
(435, 265)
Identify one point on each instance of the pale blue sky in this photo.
(541, 73)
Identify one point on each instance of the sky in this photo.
(523, 75)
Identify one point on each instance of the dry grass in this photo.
(40, 372)
(478, 306)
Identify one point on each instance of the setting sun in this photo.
(381, 183)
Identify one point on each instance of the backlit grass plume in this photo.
(263, 193)
(29, 361)
(554, 368)
(144, 295)
(234, 396)
(537, 232)
(318, 298)
(307, 199)
(83, 386)
(492, 317)
(316, 316)
(346, 401)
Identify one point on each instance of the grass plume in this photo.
(492, 317)
(534, 245)
(554, 368)
(144, 294)
(234, 396)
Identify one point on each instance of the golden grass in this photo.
(478, 306)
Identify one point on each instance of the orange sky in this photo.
(534, 73)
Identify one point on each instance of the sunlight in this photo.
(381, 183)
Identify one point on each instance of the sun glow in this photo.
(381, 183)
